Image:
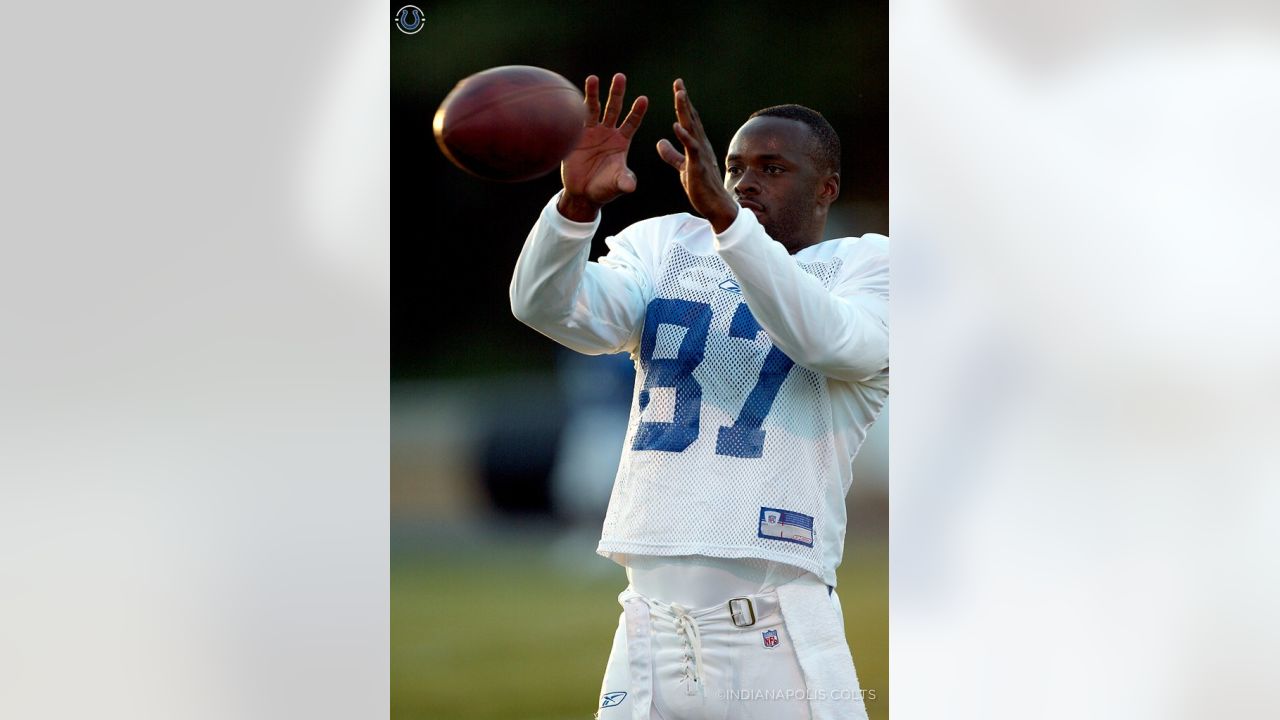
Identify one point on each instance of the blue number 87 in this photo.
(743, 438)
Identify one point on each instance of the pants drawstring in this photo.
(687, 627)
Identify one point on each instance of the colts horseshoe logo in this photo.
(409, 19)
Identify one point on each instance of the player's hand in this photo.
(596, 171)
(699, 172)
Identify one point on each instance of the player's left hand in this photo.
(699, 171)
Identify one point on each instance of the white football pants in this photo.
(670, 662)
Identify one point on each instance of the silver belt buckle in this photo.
(736, 610)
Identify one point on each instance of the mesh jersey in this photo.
(758, 375)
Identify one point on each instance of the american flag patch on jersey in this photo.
(786, 525)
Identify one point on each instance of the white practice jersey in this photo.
(758, 374)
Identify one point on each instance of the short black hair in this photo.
(827, 150)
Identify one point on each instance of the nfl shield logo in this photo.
(770, 638)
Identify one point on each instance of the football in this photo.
(510, 123)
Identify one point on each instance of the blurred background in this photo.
(504, 446)
(195, 419)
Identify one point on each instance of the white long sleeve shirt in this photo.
(758, 374)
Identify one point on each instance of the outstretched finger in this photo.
(632, 123)
(592, 92)
(686, 113)
(692, 145)
(613, 108)
(682, 106)
(670, 154)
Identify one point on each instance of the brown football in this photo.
(510, 123)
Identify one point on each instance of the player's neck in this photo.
(805, 240)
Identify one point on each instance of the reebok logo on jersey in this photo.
(732, 286)
(612, 698)
(703, 280)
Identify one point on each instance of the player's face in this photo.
(771, 172)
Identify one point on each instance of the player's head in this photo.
(784, 165)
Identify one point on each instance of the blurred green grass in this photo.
(518, 630)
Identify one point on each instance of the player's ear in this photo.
(829, 189)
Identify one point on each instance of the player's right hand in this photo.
(596, 171)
